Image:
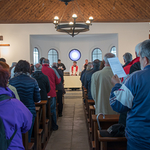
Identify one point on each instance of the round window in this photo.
(74, 55)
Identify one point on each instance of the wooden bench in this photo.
(27, 146)
(105, 124)
(91, 112)
(49, 115)
(44, 124)
(112, 143)
(37, 132)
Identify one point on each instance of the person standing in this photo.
(60, 65)
(15, 116)
(59, 87)
(54, 80)
(133, 97)
(42, 80)
(101, 87)
(27, 88)
(74, 70)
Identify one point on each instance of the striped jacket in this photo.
(134, 96)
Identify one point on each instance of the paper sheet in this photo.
(116, 67)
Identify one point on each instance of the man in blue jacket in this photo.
(87, 85)
(134, 97)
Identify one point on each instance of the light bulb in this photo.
(74, 16)
(91, 18)
(71, 23)
(88, 22)
(56, 18)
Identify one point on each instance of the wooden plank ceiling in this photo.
(43, 11)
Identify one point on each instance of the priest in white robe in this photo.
(74, 69)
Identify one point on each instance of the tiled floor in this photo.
(72, 132)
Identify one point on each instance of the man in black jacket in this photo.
(59, 87)
(42, 80)
(60, 65)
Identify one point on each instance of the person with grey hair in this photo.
(101, 87)
(127, 57)
(133, 97)
(43, 82)
(87, 83)
(134, 65)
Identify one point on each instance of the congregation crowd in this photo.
(24, 84)
(128, 96)
(20, 87)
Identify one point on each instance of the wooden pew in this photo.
(37, 132)
(105, 124)
(112, 143)
(49, 115)
(91, 112)
(44, 122)
(27, 146)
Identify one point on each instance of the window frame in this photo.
(49, 54)
(92, 54)
(38, 55)
(111, 50)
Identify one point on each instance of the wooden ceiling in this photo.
(43, 11)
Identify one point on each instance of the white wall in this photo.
(64, 43)
(18, 36)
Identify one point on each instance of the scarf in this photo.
(76, 69)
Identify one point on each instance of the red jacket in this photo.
(127, 68)
(53, 79)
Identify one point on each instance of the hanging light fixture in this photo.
(72, 28)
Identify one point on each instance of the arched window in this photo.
(113, 50)
(52, 56)
(36, 55)
(96, 54)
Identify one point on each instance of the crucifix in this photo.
(1, 39)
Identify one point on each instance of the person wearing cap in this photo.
(60, 65)
(42, 81)
(101, 87)
(74, 69)
(133, 97)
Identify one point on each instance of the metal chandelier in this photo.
(72, 28)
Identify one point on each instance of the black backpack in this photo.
(4, 142)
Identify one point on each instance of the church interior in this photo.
(31, 29)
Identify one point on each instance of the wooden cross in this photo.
(1, 39)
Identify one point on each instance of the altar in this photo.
(72, 82)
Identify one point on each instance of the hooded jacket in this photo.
(43, 83)
(15, 116)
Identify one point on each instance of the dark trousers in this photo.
(59, 101)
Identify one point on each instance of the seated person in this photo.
(13, 113)
(101, 87)
(74, 70)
